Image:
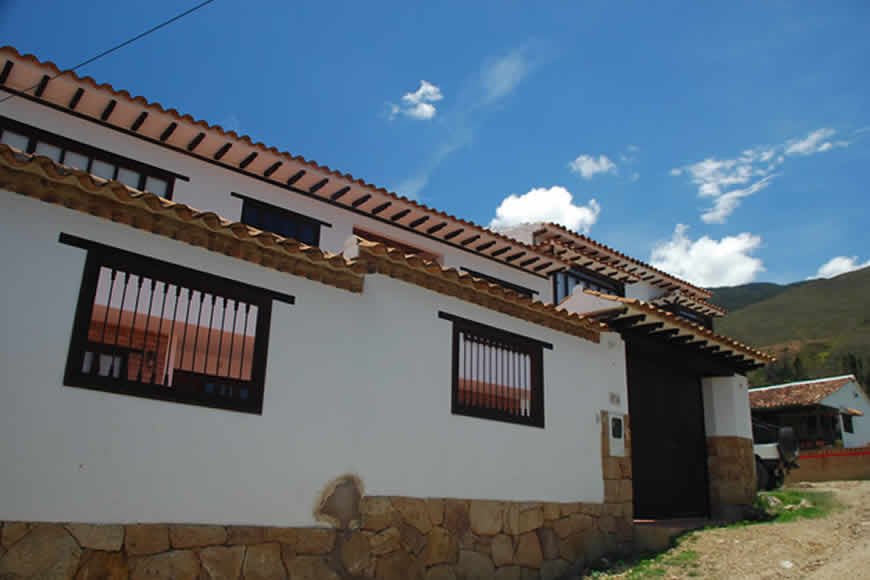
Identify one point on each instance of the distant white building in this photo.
(821, 411)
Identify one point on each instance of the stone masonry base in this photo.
(371, 537)
(731, 468)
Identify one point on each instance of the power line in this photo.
(120, 46)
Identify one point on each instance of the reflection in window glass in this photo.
(75, 160)
(103, 169)
(156, 186)
(16, 140)
(128, 177)
(48, 150)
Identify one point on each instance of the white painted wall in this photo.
(210, 187)
(643, 291)
(726, 406)
(355, 383)
(852, 397)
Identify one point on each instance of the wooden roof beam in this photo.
(74, 101)
(248, 160)
(381, 207)
(318, 186)
(107, 112)
(361, 200)
(194, 143)
(400, 214)
(339, 193)
(138, 122)
(273, 168)
(296, 177)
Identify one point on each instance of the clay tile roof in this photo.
(571, 238)
(671, 320)
(63, 84)
(41, 178)
(800, 394)
(382, 259)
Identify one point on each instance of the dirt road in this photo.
(836, 547)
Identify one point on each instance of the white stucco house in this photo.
(200, 329)
(821, 411)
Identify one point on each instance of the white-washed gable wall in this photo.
(210, 188)
(852, 397)
(355, 383)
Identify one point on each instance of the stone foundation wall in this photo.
(377, 537)
(731, 469)
(384, 538)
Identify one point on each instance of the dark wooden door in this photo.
(669, 450)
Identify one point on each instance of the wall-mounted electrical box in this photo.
(616, 429)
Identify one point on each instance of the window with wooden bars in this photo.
(152, 329)
(496, 374)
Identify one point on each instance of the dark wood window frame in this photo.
(36, 135)
(509, 285)
(103, 256)
(848, 425)
(284, 213)
(585, 276)
(525, 345)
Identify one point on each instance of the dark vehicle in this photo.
(776, 453)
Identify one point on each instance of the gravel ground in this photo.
(836, 547)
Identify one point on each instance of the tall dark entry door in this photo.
(669, 450)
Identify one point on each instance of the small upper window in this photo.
(564, 284)
(84, 157)
(53, 152)
(129, 177)
(103, 169)
(281, 221)
(16, 140)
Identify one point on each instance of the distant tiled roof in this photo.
(801, 394)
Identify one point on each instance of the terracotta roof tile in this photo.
(800, 394)
(321, 170)
(577, 238)
(672, 319)
(41, 178)
(412, 268)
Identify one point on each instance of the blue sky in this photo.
(727, 142)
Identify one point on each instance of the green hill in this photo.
(816, 328)
(736, 297)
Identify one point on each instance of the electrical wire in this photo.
(121, 45)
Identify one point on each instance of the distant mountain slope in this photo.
(820, 323)
(736, 297)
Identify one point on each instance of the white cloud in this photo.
(708, 262)
(840, 265)
(728, 181)
(815, 142)
(553, 204)
(500, 77)
(588, 166)
(418, 105)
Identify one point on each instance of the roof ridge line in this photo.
(806, 382)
